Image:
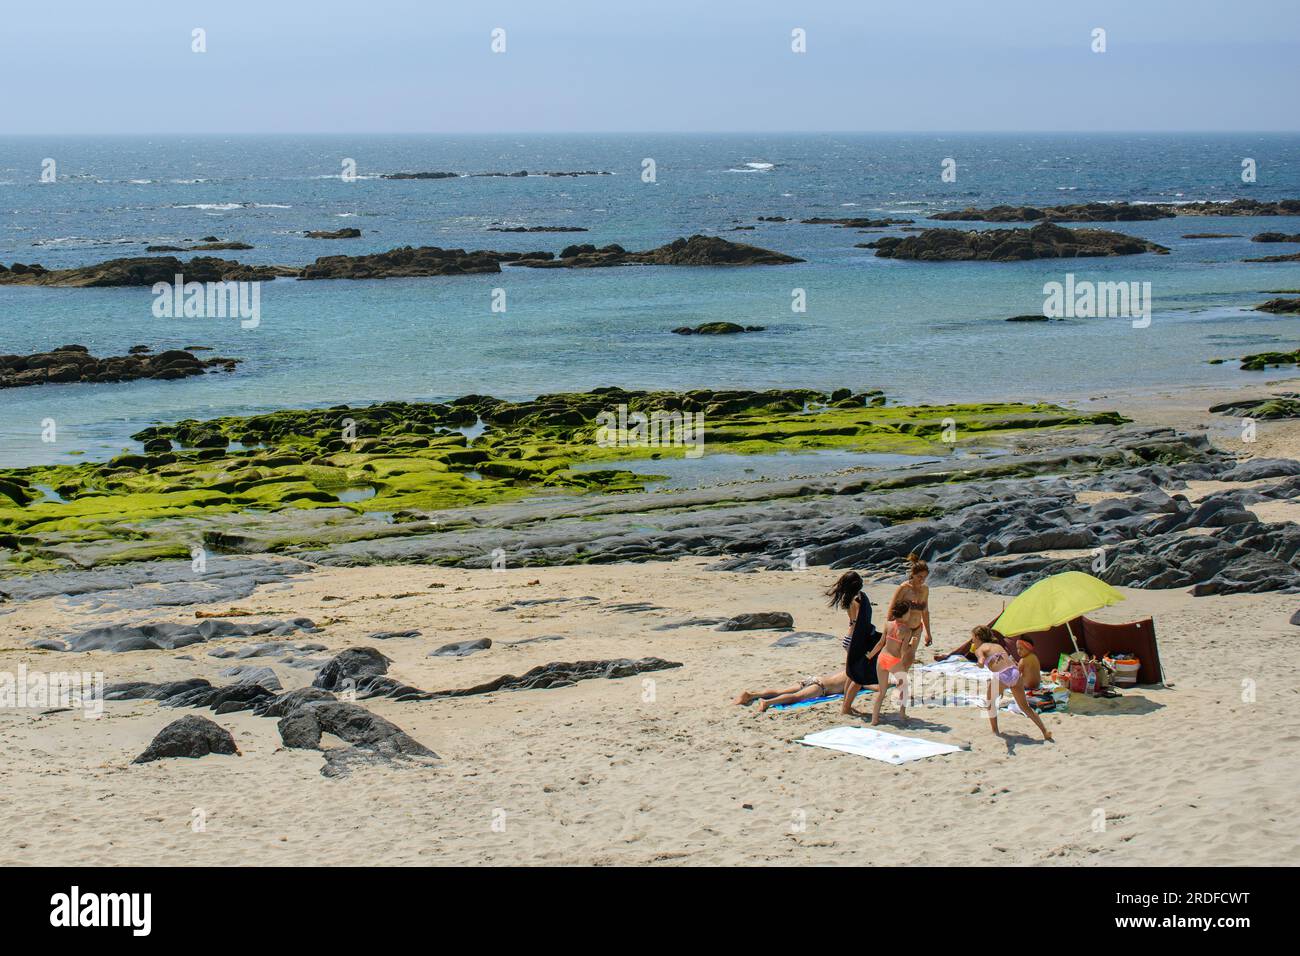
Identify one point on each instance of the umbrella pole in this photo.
(1069, 630)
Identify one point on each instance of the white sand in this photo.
(662, 768)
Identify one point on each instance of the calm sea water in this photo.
(922, 332)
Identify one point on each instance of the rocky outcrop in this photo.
(518, 174)
(562, 674)
(406, 262)
(1262, 409)
(1291, 257)
(536, 229)
(1212, 235)
(462, 648)
(207, 245)
(855, 223)
(717, 328)
(167, 636)
(696, 251)
(1276, 237)
(350, 667)
(1122, 211)
(334, 234)
(372, 739)
(1078, 212)
(191, 736)
(1277, 306)
(1262, 360)
(74, 363)
(145, 270)
(1044, 241)
(758, 621)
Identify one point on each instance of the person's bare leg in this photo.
(803, 693)
(882, 681)
(850, 691)
(995, 691)
(749, 696)
(902, 695)
(1018, 692)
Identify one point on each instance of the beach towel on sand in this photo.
(865, 692)
(877, 744)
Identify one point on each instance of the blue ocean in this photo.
(923, 332)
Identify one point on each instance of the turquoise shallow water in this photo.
(922, 332)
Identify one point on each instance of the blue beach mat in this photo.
(814, 700)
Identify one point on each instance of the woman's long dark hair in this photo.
(844, 590)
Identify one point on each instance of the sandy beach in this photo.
(661, 768)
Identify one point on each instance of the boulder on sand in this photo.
(191, 736)
(759, 621)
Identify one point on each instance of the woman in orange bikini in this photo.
(897, 650)
(916, 593)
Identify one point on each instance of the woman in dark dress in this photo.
(847, 593)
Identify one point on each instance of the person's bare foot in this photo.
(875, 721)
(1047, 736)
(763, 705)
(744, 698)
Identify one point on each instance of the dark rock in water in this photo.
(1079, 212)
(1276, 237)
(562, 674)
(717, 328)
(374, 740)
(802, 637)
(426, 175)
(760, 621)
(1044, 241)
(1212, 235)
(191, 736)
(1029, 317)
(696, 251)
(1291, 257)
(405, 262)
(1279, 306)
(74, 363)
(1263, 360)
(143, 271)
(390, 635)
(334, 234)
(351, 665)
(850, 223)
(536, 229)
(462, 648)
(118, 638)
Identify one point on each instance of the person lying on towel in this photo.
(825, 686)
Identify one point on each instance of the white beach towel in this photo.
(876, 744)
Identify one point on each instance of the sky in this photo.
(408, 66)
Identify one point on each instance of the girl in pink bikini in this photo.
(992, 655)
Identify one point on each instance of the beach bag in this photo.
(1126, 668)
(1078, 677)
(1105, 676)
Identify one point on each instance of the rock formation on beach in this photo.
(74, 363)
(191, 736)
(1043, 241)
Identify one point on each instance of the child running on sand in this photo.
(810, 687)
(896, 649)
(992, 655)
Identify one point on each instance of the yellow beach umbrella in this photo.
(1053, 601)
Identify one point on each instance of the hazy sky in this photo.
(294, 66)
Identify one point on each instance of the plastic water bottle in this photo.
(1092, 679)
